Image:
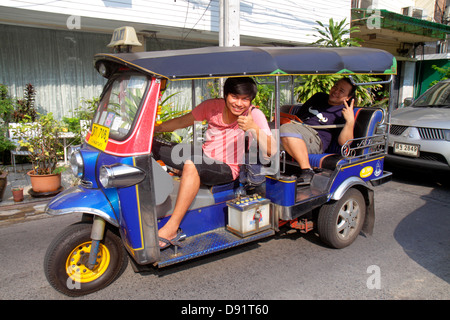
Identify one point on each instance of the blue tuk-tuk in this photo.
(125, 195)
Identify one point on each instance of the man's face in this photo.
(339, 93)
(237, 103)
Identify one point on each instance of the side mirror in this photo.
(408, 101)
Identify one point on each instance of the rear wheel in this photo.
(340, 222)
(67, 256)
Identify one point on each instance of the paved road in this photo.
(407, 257)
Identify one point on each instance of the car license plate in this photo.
(405, 149)
(99, 137)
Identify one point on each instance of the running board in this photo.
(206, 243)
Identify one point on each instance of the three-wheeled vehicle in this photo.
(125, 195)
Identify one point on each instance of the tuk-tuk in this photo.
(125, 195)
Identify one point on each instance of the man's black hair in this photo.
(243, 85)
(353, 90)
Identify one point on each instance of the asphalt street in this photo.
(407, 257)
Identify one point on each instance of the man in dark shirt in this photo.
(320, 110)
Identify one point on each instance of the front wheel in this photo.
(67, 256)
(340, 222)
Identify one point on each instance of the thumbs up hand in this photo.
(246, 122)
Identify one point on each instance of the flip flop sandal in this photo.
(173, 242)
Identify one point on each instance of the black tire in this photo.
(339, 222)
(72, 278)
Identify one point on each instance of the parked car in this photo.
(419, 135)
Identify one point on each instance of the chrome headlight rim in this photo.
(77, 164)
(120, 176)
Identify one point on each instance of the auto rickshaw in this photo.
(125, 195)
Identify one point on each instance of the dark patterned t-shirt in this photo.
(316, 111)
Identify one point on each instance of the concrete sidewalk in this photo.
(11, 211)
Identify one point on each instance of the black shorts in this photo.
(211, 171)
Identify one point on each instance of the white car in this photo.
(419, 135)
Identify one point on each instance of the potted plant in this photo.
(17, 193)
(41, 138)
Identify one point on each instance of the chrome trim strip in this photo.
(82, 210)
(347, 184)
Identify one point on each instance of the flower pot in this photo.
(17, 194)
(46, 183)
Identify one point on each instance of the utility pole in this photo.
(229, 23)
(229, 36)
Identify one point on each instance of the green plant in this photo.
(445, 74)
(318, 83)
(5, 143)
(83, 112)
(87, 108)
(314, 84)
(41, 138)
(336, 35)
(6, 104)
(264, 98)
(168, 111)
(6, 112)
(25, 107)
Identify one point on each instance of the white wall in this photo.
(394, 6)
(288, 20)
(59, 62)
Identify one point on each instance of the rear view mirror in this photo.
(408, 101)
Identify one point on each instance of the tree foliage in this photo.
(336, 34)
(445, 74)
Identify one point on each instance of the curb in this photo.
(10, 213)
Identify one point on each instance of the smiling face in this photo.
(339, 93)
(237, 104)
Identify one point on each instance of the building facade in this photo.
(415, 31)
(51, 43)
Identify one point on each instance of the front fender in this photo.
(347, 184)
(82, 200)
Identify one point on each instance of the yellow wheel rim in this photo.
(76, 263)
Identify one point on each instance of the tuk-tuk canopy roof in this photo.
(214, 62)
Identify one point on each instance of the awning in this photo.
(213, 62)
(391, 24)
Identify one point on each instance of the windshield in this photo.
(120, 103)
(437, 96)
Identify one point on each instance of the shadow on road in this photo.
(425, 233)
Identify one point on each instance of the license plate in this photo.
(99, 137)
(405, 149)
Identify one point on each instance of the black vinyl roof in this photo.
(213, 62)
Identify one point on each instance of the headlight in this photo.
(120, 176)
(447, 135)
(77, 164)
